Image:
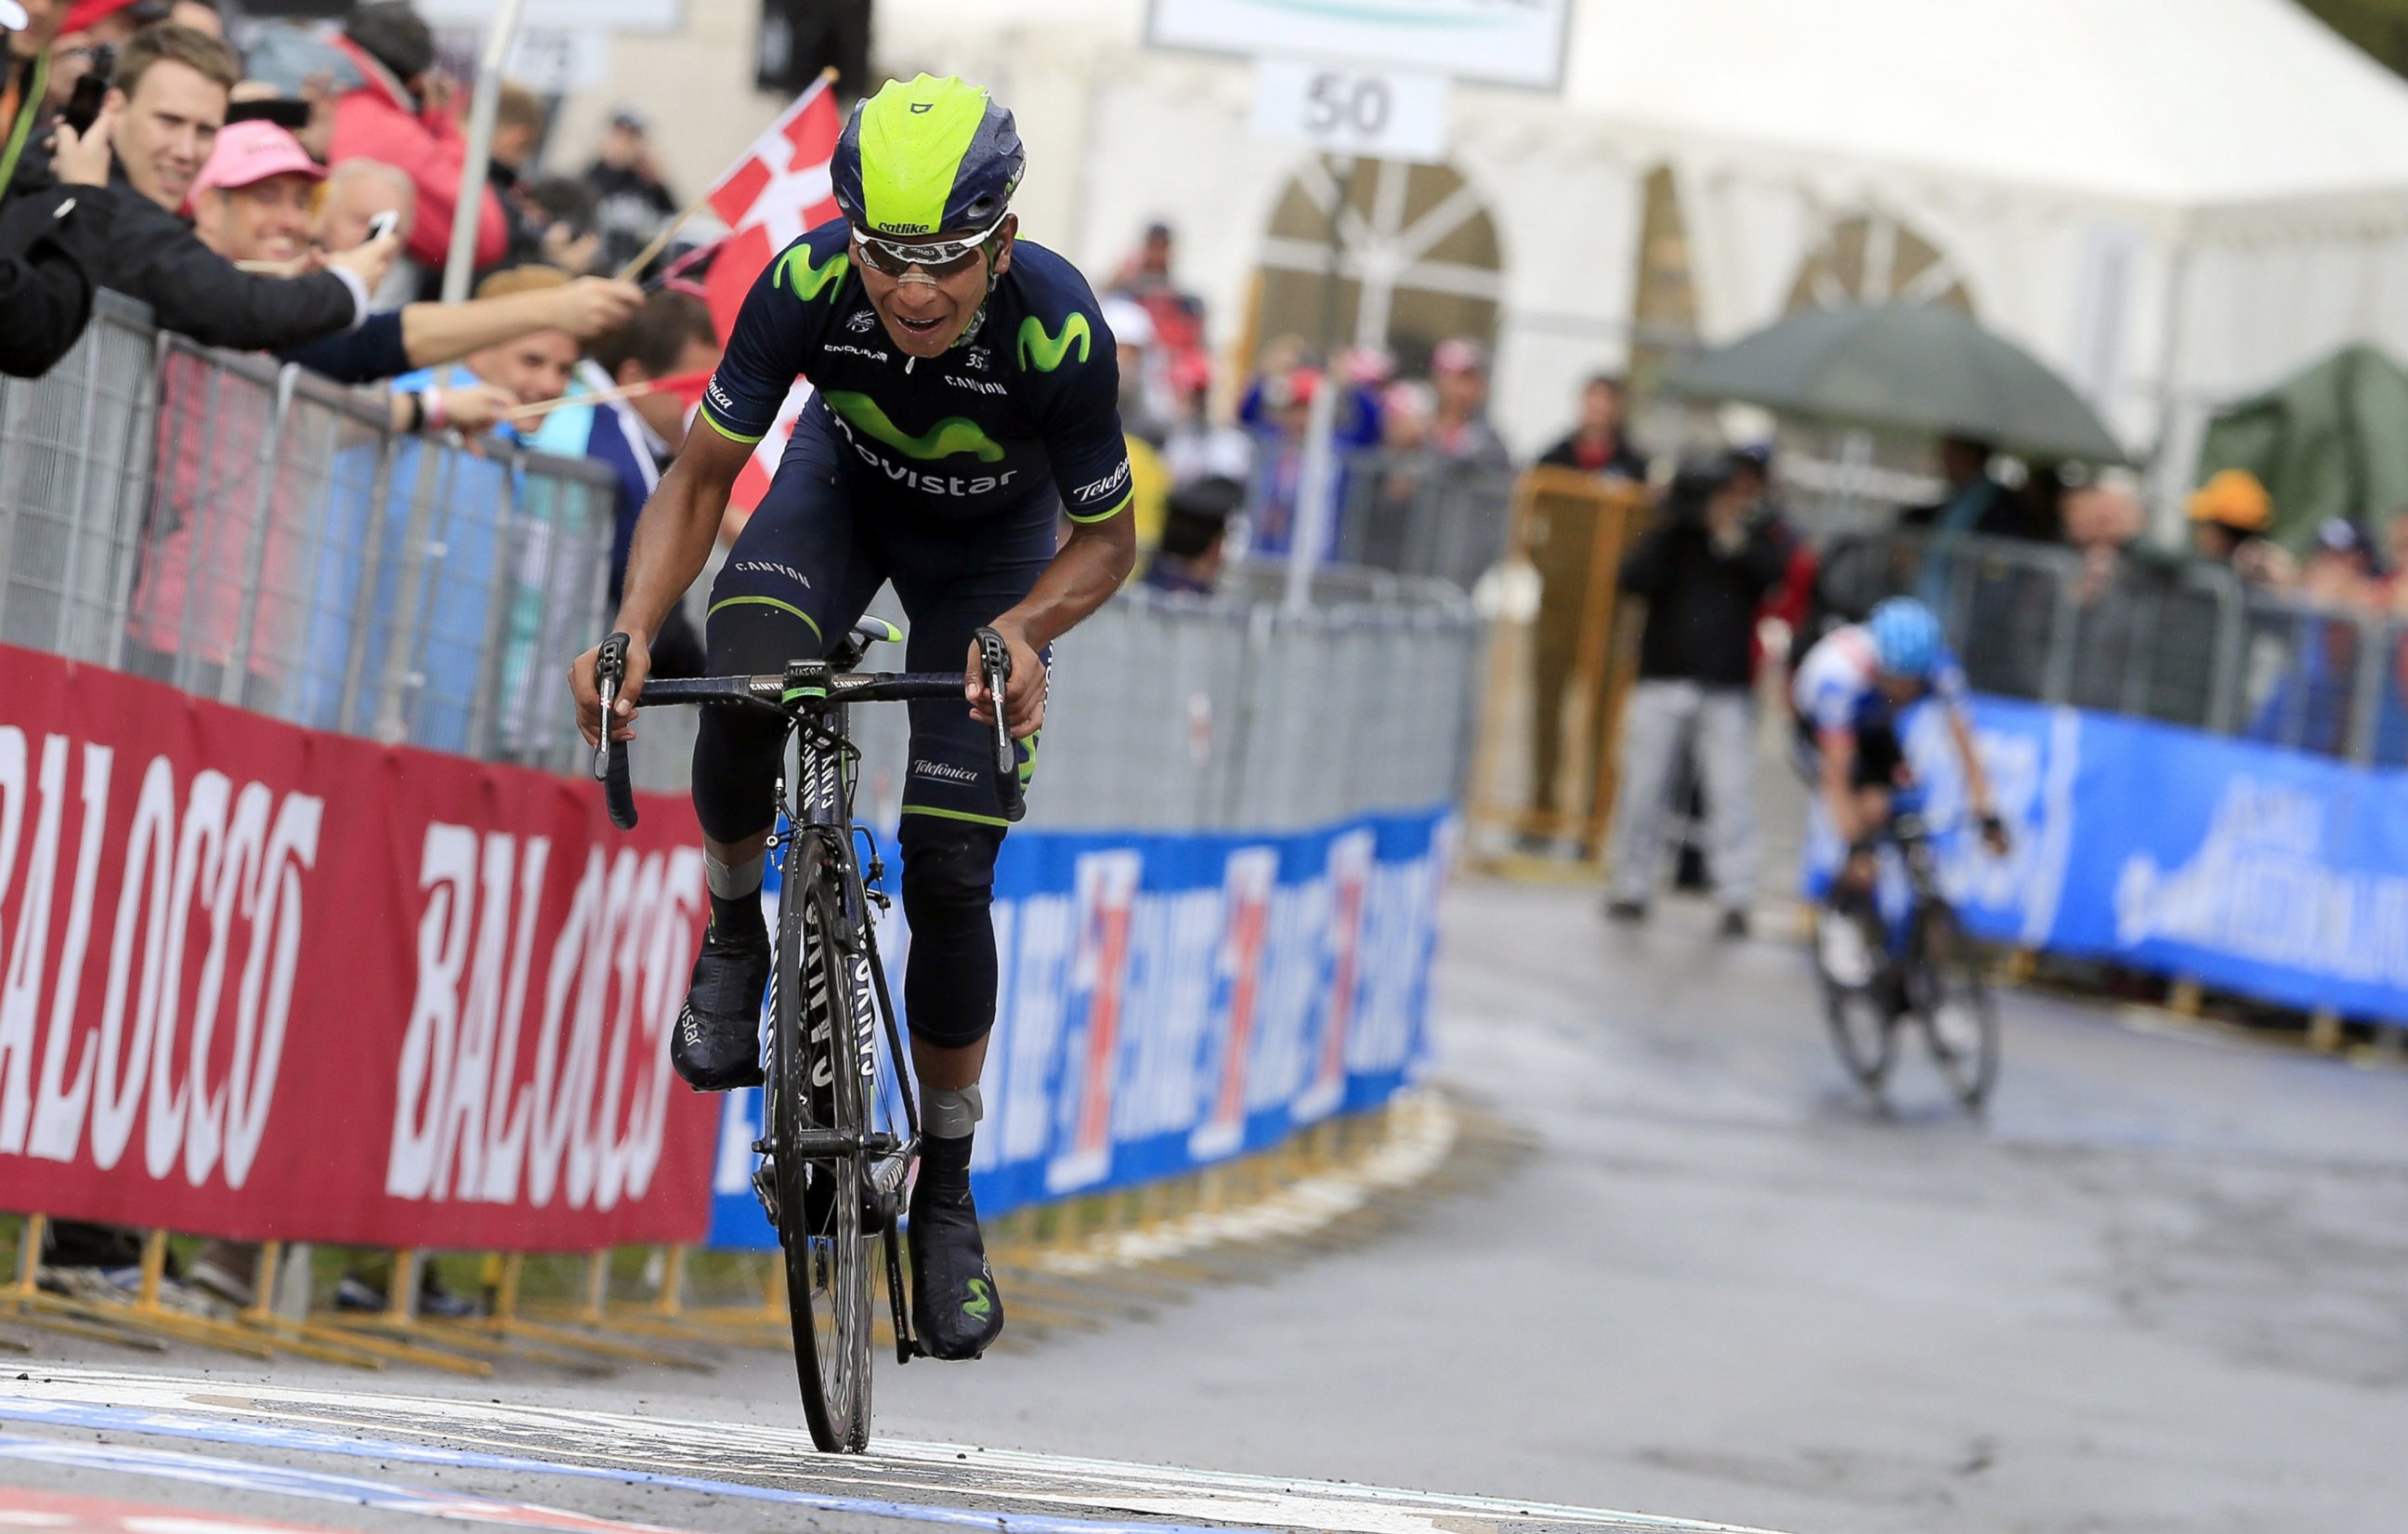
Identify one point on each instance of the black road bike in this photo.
(831, 1178)
(1930, 971)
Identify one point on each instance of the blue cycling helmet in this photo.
(1906, 638)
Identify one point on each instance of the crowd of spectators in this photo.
(297, 200)
(281, 200)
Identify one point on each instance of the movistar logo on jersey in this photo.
(947, 438)
(1044, 352)
(795, 271)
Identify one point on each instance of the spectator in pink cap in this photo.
(251, 200)
(1459, 429)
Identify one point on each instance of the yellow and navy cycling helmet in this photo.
(924, 156)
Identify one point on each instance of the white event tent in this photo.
(2173, 201)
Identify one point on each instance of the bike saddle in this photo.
(858, 639)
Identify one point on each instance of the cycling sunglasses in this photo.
(938, 258)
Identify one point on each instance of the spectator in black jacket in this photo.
(1977, 502)
(51, 240)
(172, 86)
(1702, 569)
(632, 200)
(1598, 444)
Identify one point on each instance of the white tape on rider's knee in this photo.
(734, 881)
(953, 1114)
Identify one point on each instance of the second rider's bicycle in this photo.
(833, 1171)
(1925, 968)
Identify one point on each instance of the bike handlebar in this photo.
(770, 690)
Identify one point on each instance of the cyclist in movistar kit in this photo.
(1849, 692)
(966, 392)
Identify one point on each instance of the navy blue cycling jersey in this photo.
(1028, 400)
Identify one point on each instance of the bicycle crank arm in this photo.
(907, 1346)
(822, 1145)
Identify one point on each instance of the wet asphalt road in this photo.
(2163, 1288)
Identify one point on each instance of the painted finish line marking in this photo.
(898, 1480)
(55, 1512)
(239, 1475)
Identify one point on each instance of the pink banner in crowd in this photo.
(264, 982)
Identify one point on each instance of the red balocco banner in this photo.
(264, 983)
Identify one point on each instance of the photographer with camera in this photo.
(1702, 569)
(53, 236)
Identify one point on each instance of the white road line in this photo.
(629, 1446)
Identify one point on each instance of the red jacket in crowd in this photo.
(380, 121)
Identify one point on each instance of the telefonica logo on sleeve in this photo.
(1088, 495)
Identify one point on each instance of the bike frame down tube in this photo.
(822, 804)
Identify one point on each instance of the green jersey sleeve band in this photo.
(752, 440)
(957, 814)
(1115, 509)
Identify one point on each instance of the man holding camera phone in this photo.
(172, 89)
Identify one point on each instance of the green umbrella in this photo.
(1904, 368)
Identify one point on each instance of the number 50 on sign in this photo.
(1387, 114)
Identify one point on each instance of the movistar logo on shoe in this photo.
(982, 1301)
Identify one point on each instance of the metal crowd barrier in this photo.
(256, 535)
(1415, 514)
(1181, 713)
(2184, 641)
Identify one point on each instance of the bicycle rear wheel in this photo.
(1864, 1027)
(1954, 1005)
(817, 1088)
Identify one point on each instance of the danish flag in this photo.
(779, 189)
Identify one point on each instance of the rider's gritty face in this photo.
(924, 312)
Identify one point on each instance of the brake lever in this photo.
(995, 662)
(609, 753)
(610, 669)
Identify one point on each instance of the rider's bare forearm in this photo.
(679, 524)
(1977, 783)
(1839, 761)
(1084, 573)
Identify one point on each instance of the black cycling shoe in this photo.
(955, 1306)
(717, 1045)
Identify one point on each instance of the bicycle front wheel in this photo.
(817, 1088)
(1855, 1006)
(1958, 1017)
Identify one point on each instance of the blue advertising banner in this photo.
(1170, 1001)
(2255, 869)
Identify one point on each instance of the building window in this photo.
(1376, 253)
(1871, 258)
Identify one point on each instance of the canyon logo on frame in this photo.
(259, 981)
